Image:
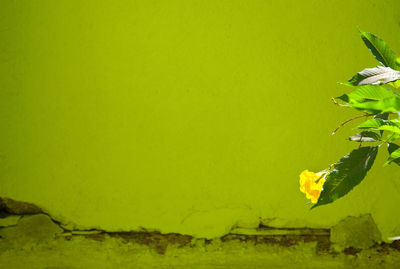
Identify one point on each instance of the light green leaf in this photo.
(366, 136)
(368, 92)
(391, 104)
(379, 49)
(393, 156)
(379, 124)
(372, 99)
(398, 61)
(347, 173)
(375, 76)
(392, 149)
(392, 137)
(395, 84)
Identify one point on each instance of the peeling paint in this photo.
(39, 242)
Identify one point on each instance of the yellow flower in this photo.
(310, 186)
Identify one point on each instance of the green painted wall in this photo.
(166, 115)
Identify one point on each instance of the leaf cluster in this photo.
(374, 93)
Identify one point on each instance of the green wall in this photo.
(167, 115)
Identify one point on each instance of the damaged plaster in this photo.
(357, 232)
(23, 221)
(36, 240)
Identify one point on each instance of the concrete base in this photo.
(35, 241)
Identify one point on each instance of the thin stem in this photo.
(387, 140)
(336, 103)
(347, 121)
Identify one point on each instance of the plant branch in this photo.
(347, 121)
(387, 139)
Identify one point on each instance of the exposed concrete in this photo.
(41, 242)
(30, 231)
(37, 242)
(355, 232)
(11, 206)
(9, 221)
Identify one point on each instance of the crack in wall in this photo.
(263, 235)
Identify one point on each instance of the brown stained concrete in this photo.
(34, 240)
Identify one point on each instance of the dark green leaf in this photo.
(366, 136)
(354, 80)
(383, 116)
(379, 49)
(347, 173)
(375, 76)
(392, 148)
(344, 98)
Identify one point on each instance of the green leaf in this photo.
(347, 173)
(369, 92)
(366, 93)
(366, 136)
(344, 98)
(372, 99)
(379, 124)
(395, 84)
(354, 80)
(394, 150)
(375, 76)
(383, 116)
(391, 104)
(392, 137)
(379, 49)
(393, 156)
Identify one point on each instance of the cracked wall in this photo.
(165, 116)
(36, 240)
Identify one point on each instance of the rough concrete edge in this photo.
(286, 237)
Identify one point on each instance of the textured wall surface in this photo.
(167, 115)
(36, 242)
